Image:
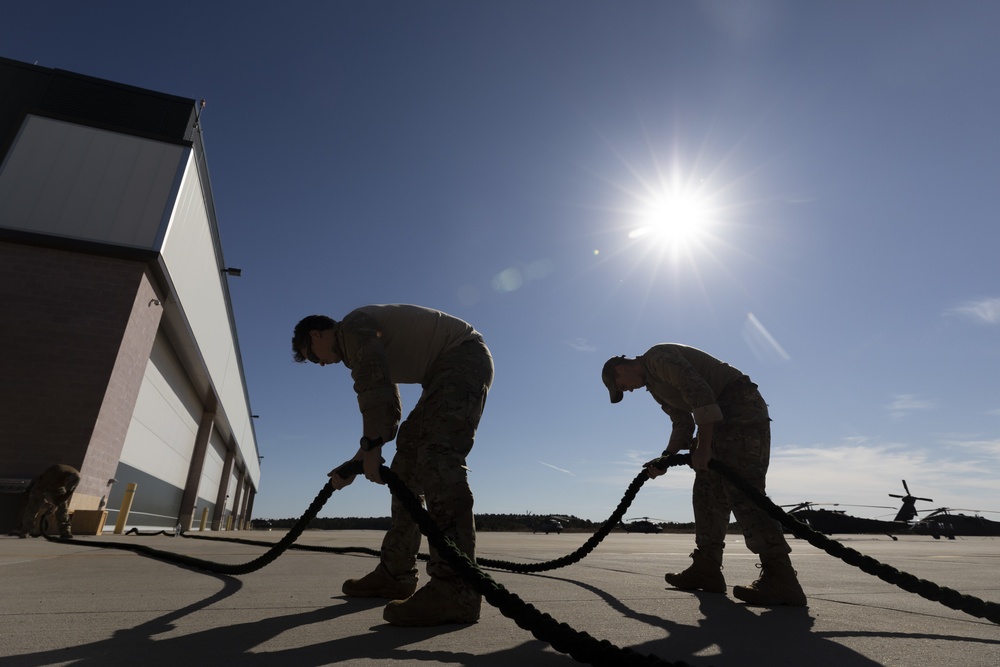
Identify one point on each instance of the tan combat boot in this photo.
(380, 584)
(704, 574)
(437, 603)
(776, 586)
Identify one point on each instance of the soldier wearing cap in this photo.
(49, 495)
(716, 412)
(384, 345)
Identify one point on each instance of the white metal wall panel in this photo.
(188, 252)
(211, 472)
(164, 426)
(234, 482)
(80, 182)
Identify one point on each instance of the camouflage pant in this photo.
(40, 505)
(746, 448)
(431, 447)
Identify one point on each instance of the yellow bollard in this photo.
(204, 519)
(125, 508)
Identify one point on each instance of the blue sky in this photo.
(835, 165)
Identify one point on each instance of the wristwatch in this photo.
(367, 444)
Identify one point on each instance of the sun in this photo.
(676, 220)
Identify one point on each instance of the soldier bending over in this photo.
(384, 345)
(733, 426)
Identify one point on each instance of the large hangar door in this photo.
(160, 442)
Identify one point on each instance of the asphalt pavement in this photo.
(76, 604)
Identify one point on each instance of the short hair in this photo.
(300, 338)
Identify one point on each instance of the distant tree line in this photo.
(508, 523)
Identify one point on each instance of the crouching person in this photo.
(49, 495)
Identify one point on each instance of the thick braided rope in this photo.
(581, 646)
(523, 568)
(275, 549)
(587, 546)
(946, 596)
(908, 582)
(221, 568)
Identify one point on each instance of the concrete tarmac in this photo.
(72, 604)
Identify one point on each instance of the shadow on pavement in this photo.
(234, 644)
(729, 630)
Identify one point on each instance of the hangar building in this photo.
(118, 346)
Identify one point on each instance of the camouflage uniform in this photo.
(383, 345)
(50, 494)
(694, 387)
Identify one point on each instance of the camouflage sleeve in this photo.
(693, 388)
(683, 426)
(378, 396)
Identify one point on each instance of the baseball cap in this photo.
(608, 376)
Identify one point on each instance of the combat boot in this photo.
(776, 586)
(704, 574)
(380, 584)
(437, 603)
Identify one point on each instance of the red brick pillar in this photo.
(76, 330)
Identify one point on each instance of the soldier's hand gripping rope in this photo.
(660, 464)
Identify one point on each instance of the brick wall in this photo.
(75, 335)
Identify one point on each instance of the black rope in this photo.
(586, 548)
(908, 582)
(522, 568)
(581, 646)
(219, 568)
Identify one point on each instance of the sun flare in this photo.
(674, 220)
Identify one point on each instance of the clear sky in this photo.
(806, 190)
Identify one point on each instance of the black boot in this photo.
(704, 574)
(776, 586)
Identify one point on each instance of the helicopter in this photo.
(838, 521)
(642, 524)
(909, 509)
(550, 524)
(938, 522)
(941, 522)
